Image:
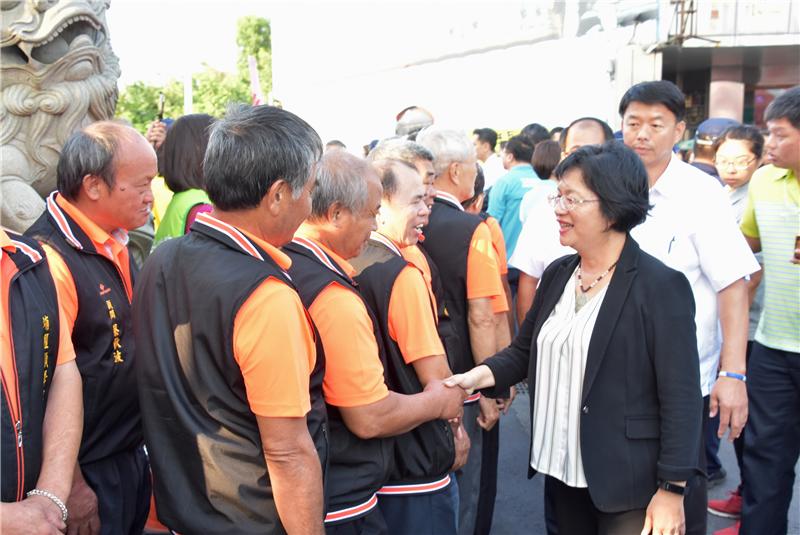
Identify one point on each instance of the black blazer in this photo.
(641, 409)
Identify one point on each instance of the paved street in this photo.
(519, 508)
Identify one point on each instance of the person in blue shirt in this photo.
(508, 191)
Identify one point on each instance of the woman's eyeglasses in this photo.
(566, 203)
(740, 164)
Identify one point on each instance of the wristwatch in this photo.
(672, 487)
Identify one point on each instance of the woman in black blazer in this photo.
(610, 355)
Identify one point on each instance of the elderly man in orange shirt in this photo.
(363, 410)
(230, 377)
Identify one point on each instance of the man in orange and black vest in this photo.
(41, 403)
(461, 246)
(103, 178)
(363, 410)
(420, 495)
(229, 365)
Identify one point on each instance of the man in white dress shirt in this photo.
(691, 228)
(485, 140)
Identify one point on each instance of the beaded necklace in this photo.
(581, 299)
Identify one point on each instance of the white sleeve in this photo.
(538, 243)
(522, 259)
(722, 251)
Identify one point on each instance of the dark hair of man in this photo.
(487, 135)
(658, 92)
(335, 143)
(535, 133)
(480, 183)
(555, 130)
(521, 148)
(253, 147)
(617, 176)
(608, 134)
(387, 171)
(546, 156)
(90, 151)
(785, 106)
(746, 133)
(183, 151)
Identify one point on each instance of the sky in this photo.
(160, 40)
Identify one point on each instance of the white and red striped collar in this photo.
(231, 232)
(385, 241)
(31, 253)
(450, 198)
(319, 253)
(58, 215)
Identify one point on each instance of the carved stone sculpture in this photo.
(58, 74)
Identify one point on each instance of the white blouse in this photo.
(562, 347)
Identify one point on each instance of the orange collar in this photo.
(98, 236)
(304, 233)
(5, 242)
(238, 235)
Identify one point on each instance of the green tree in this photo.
(138, 103)
(254, 38)
(212, 90)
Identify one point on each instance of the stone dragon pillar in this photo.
(57, 74)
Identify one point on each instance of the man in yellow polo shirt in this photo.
(771, 224)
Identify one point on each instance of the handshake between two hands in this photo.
(455, 390)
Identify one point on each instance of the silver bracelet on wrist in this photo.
(53, 498)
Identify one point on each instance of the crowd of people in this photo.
(325, 343)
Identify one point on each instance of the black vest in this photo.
(205, 448)
(358, 468)
(427, 452)
(447, 239)
(102, 336)
(33, 318)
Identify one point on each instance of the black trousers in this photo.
(575, 514)
(371, 523)
(772, 442)
(695, 501)
(488, 488)
(122, 485)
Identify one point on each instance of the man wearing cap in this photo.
(363, 410)
(411, 120)
(103, 178)
(42, 407)
(704, 137)
(229, 377)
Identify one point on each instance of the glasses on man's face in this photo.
(566, 203)
(740, 164)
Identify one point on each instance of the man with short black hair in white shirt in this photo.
(691, 228)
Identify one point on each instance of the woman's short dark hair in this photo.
(656, 92)
(748, 133)
(183, 151)
(546, 156)
(617, 176)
